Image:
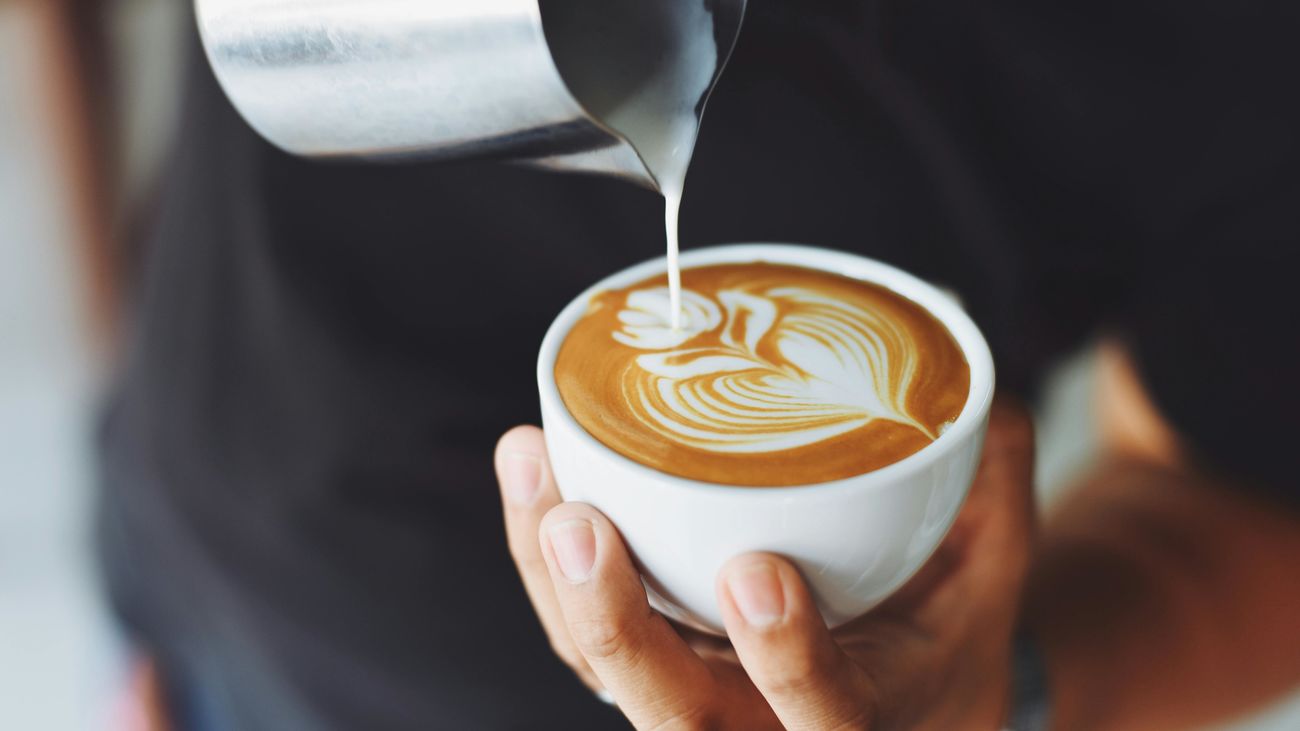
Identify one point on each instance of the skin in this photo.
(935, 656)
(1165, 597)
(1161, 598)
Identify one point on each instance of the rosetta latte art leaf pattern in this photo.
(790, 367)
(777, 375)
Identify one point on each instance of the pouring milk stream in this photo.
(602, 86)
(651, 89)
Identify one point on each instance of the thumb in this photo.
(786, 649)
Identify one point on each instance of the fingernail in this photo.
(574, 544)
(521, 475)
(758, 595)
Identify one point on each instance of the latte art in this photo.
(830, 376)
(648, 322)
(828, 369)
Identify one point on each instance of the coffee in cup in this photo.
(777, 375)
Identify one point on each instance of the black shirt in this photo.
(300, 516)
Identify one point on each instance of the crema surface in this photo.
(778, 375)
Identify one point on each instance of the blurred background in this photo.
(61, 664)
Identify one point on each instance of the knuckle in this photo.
(800, 675)
(795, 680)
(859, 719)
(693, 718)
(824, 691)
(602, 638)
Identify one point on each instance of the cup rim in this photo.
(942, 305)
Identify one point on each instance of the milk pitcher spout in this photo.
(548, 82)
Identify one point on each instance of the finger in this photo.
(528, 491)
(1000, 512)
(654, 676)
(1004, 481)
(784, 646)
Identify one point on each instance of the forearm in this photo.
(71, 65)
(1163, 601)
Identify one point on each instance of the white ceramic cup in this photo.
(854, 540)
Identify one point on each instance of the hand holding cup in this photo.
(935, 655)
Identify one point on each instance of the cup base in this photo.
(677, 614)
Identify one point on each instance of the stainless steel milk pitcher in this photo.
(447, 79)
